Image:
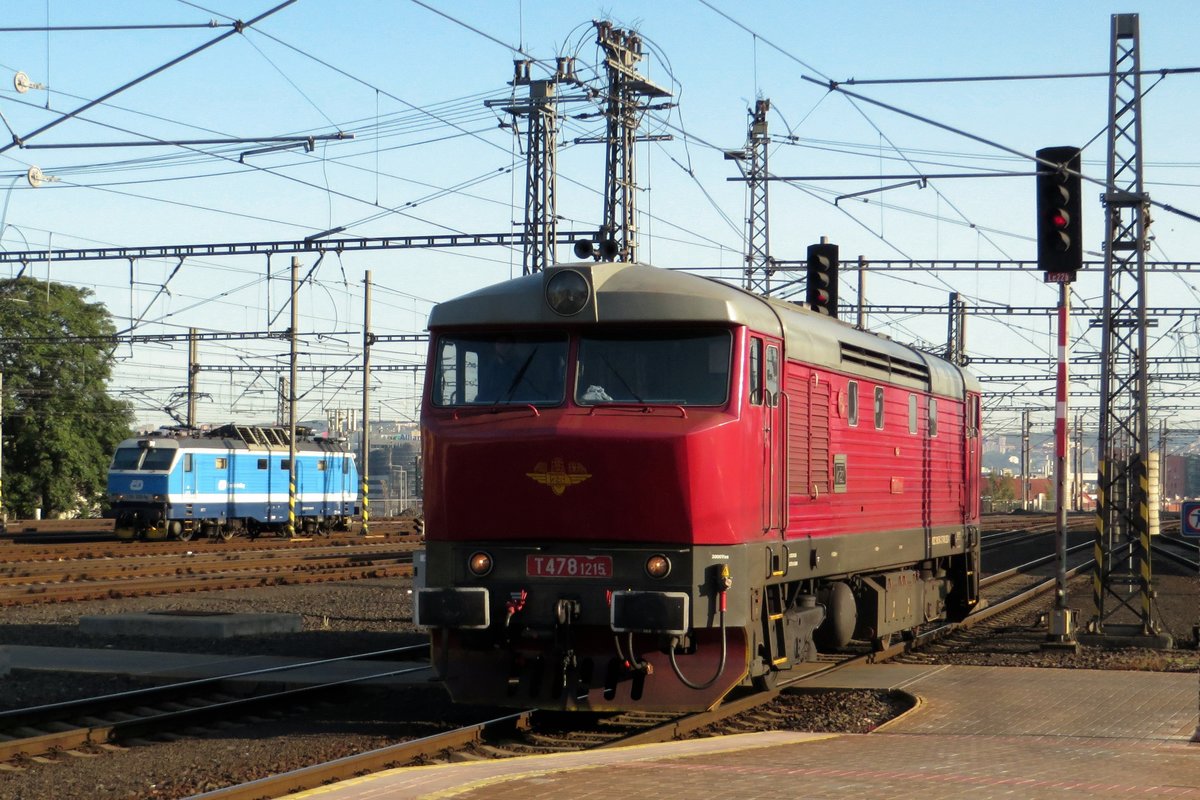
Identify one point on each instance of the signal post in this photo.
(1060, 255)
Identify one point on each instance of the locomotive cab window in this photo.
(688, 367)
(126, 458)
(189, 462)
(878, 408)
(158, 459)
(852, 403)
(500, 368)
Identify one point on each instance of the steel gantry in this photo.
(541, 158)
(623, 113)
(1122, 584)
(758, 232)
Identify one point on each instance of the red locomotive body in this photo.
(644, 488)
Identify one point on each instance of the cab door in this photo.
(971, 458)
(766, 398)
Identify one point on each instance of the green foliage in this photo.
(60, 424)
(998, 487)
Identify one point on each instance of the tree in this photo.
(999, 488)
(60, 424)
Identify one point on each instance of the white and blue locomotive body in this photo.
(229, 481)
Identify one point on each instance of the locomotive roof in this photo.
(236, 437)
(639, 293)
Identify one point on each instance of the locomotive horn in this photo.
(584, 249)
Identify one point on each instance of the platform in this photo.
(977, 733)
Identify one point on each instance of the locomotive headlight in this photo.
(658, 566)
(480, 563)
(567, 292)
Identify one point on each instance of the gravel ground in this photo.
(353, 617)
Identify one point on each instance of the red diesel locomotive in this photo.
(644, 488)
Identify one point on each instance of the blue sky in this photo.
(428, 157)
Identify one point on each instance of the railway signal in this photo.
(823, 278)
(1060, 214)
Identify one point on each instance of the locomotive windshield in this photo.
(127, 458)
(143, 458)
(687, 367)
(500, 368)
(678, 367)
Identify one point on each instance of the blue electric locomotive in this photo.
(227, 482)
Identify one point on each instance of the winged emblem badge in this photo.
(558, 475)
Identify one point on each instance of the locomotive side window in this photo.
(686, 367)
(500, 368)
(933, 416)
(321, 465)
(912, 413)
(878, 408)
(756, 381)
(852, 404)
(189, 462)
(772, 375)
(262, 463)
(222, 463)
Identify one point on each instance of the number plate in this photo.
(569, 566)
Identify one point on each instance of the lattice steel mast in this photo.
(758, 238)
(540, 229)
(1122, 506)
(623, 113)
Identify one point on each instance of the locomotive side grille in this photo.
(797, 435)
(818, 436)
(889, 365)
(808, 436)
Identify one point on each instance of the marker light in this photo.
(567, 292)
(658, 566)
(480, 563)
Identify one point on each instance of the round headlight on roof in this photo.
(567, 292)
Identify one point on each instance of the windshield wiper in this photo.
(621, 378)
(516, 381)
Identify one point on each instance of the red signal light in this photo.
(1060, 221)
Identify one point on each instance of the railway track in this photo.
(43, 579)
(531, 732)
(81, 726)
(538, 732)
(29, 531)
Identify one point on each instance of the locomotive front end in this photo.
(582, 498)
(139, 488)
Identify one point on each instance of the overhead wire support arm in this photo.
(922, 182)
(238, 27)
(287, 140)
(308, 245)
